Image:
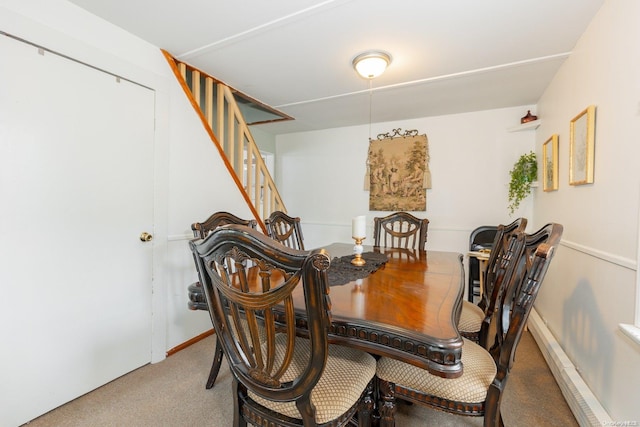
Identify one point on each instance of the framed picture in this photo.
(582, 147)
(550, 164)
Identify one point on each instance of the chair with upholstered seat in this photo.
(400, 230)
(475, 319)
(479, 390)
(196, 293)
(285, 229)
(289, 375)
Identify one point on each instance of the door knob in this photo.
(146, 237)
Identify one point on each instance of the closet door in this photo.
(76, 193)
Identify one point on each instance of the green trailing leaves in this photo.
(523, 173)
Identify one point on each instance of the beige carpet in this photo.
(172, 393)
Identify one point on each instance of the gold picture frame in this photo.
(582, 147)
(550, 164)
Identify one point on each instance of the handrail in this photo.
(219, 112)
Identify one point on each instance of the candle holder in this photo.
(357, 250)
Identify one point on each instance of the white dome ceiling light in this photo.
(371, 64)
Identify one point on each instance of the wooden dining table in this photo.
(407, 309)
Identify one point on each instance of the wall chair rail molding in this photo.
(629, 263)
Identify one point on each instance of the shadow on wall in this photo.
(586, 337)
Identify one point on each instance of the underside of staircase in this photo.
(221, 116)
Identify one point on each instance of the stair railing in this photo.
(219, 112)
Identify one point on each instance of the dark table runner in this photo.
(341, 271)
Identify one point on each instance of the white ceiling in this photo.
(295, 55)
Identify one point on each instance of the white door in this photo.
(76, 192)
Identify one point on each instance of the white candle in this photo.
(359, 226)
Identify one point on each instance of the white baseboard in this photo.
(583, 403)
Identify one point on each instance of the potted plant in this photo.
(523, 173)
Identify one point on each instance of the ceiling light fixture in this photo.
(371, 64)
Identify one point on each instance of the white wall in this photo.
(191, 181)
(591, 285)
(321, 175)
(199, 185)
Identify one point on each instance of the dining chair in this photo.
(285, 229)
(280, 378)
(481, 238)
(548, 235)
(197, 299)
(479, 390)
(475, 319)
(400, 230)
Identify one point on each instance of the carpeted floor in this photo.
(172, 393)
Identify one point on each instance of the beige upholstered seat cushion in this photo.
(346, 375)
(471, 387)
(471, 317)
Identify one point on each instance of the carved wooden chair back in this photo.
(197, 299)
(500, 243)
(496, 268)
(400, 230)
(254, 308)
(530, 268)
(285, 229)
(218, 219)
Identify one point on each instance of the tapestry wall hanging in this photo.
(398, 172)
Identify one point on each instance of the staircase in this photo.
(216, 105)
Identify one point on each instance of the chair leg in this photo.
(493, 420)
(492, 412)
(215, 366)
(238, 419)
(483, 335)
(365, 412)
(387, 404)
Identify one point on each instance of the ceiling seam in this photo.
(229, 39)
(430, 79)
